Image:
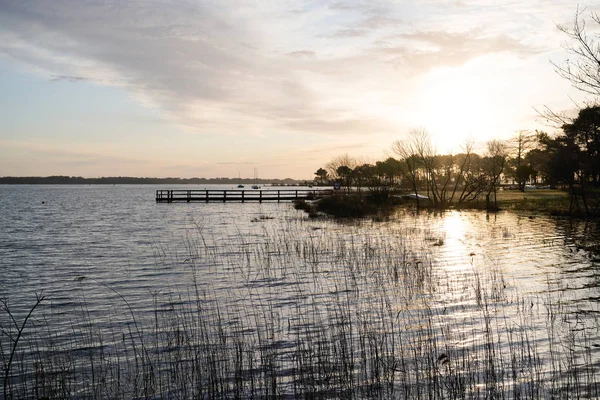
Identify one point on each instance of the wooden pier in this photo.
(236, 195)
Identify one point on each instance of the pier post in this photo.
(242, 196)
(224, 196)
(207, 195)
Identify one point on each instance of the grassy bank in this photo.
(549, 202)
(307, 313)
(542, 201)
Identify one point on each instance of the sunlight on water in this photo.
(453, 230)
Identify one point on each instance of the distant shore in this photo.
(77, 180)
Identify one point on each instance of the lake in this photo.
(239, 300)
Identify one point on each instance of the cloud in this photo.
(303, 54)
(342, 6)
(58, 78)
(208, 74)
(348, 33)
(344, 125)
(429, 49)
(227, 68)
(379, 21)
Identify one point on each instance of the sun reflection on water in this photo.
(453, 228)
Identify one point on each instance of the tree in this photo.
(321, 175)
(474, 178)
(441, 175)
(539, 159)
(495, 161)
(584, 131)
(343, 160)
(521, 143)
(581, 69)
(388, 171)
(409, 151)
(564, 167)
(561, 159)
(464, 161)
(523, 174)
(345, 173)
(363, 175)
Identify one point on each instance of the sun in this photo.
(456, 105)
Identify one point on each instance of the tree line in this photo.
(569, 160)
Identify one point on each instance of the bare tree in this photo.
(474, 178)
(440, 175)
(582, 69)
(496, 161)
(431, 164)
(465, 165)
(409, 152)
(341, 161)
(521, 142)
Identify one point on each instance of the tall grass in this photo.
(306, 312)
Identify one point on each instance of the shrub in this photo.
(345, 206)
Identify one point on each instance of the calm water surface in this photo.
(114, 244)
(116, 235)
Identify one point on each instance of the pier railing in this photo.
(236, 195)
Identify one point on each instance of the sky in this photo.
(187, 88)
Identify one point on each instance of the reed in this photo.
(308, 312)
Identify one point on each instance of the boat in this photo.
(240, 186)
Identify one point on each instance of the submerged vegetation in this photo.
(306, 313)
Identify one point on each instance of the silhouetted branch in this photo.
(583, 70)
